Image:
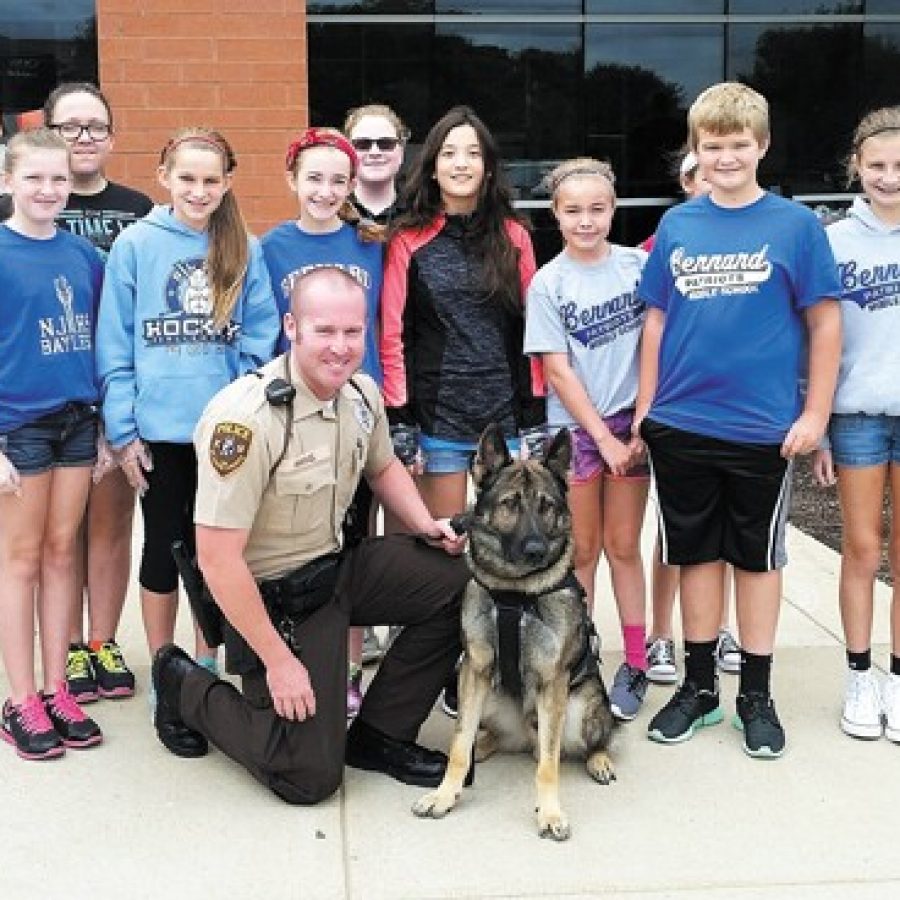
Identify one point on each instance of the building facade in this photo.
(552, 78)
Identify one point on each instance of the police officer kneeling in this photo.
(275, 478)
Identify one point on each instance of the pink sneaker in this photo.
(354, 693)
(28, 728)
(73, 726)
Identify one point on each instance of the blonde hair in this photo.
(35, 139)
(579, 167)
(726, 108)
(229, 253)
(880, 121)
(383, 112)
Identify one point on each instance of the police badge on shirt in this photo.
(229, 447)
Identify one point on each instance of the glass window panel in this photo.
(881, 66)
(523, 80)
(42, 44)
(369, 7)
(639, 82)
(509, 7)
(811, 77)
(795, 7)
(651, 7)
(351, 65)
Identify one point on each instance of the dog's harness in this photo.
(513, 610)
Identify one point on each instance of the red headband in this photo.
(321, 137)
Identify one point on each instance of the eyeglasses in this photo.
(365, 144)
(72, 131)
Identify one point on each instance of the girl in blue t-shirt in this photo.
(583, 318)
(321, 170)
(49, 289)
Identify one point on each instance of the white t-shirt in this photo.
(591, 312)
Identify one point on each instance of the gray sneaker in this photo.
(371, 649)
(728, 653)
(661, 668)
(627, 694)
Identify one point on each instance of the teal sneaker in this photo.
(688, 709)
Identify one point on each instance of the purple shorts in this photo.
(587, 461)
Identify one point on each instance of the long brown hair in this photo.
(229, 253)
(422, 201)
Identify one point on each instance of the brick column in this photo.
(235, 65)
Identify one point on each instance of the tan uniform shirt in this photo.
(294, 514)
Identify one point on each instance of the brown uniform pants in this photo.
(384, 581)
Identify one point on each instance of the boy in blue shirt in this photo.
(737, 283)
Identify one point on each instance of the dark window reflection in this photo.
(796, 7)
(351, 65)
(524, 82)
(509, 7)
(657, 7)
(370, 7)
(811, 78)
(639, 82)
(42, 44)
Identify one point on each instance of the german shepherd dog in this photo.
(549, 698)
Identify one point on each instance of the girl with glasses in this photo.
(98, 209)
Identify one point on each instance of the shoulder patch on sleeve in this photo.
(229, 446)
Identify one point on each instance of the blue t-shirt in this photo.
(733, 284)
(290, 253)
(49, 291)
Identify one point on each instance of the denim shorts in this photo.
(443, 457)
(67, 437)
(860, 440)
(587, 462)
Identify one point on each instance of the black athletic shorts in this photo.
(719, 499)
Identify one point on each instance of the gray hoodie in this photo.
(868, 256)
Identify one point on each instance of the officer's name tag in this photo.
(229, 446)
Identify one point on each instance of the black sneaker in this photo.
(28, 728)
(75, 728)
(756, 717)
(688, 709)
(114, 678)
(80, 676)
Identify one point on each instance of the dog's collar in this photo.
(526, 599)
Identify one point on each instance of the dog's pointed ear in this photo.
(558, 455)
(492, 455)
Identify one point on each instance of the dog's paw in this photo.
(553, 825)
(600, 767)
(434, 805)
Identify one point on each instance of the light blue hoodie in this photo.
(159, 358)
(868, 256)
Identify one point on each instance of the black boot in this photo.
(170, 666)
(373, 750)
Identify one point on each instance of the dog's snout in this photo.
(534, 548)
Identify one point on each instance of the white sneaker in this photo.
(861, 716)
(371, 649)
(891, 705)
(728, 653)
(661, 668)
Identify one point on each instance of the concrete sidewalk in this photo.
(694, 820)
